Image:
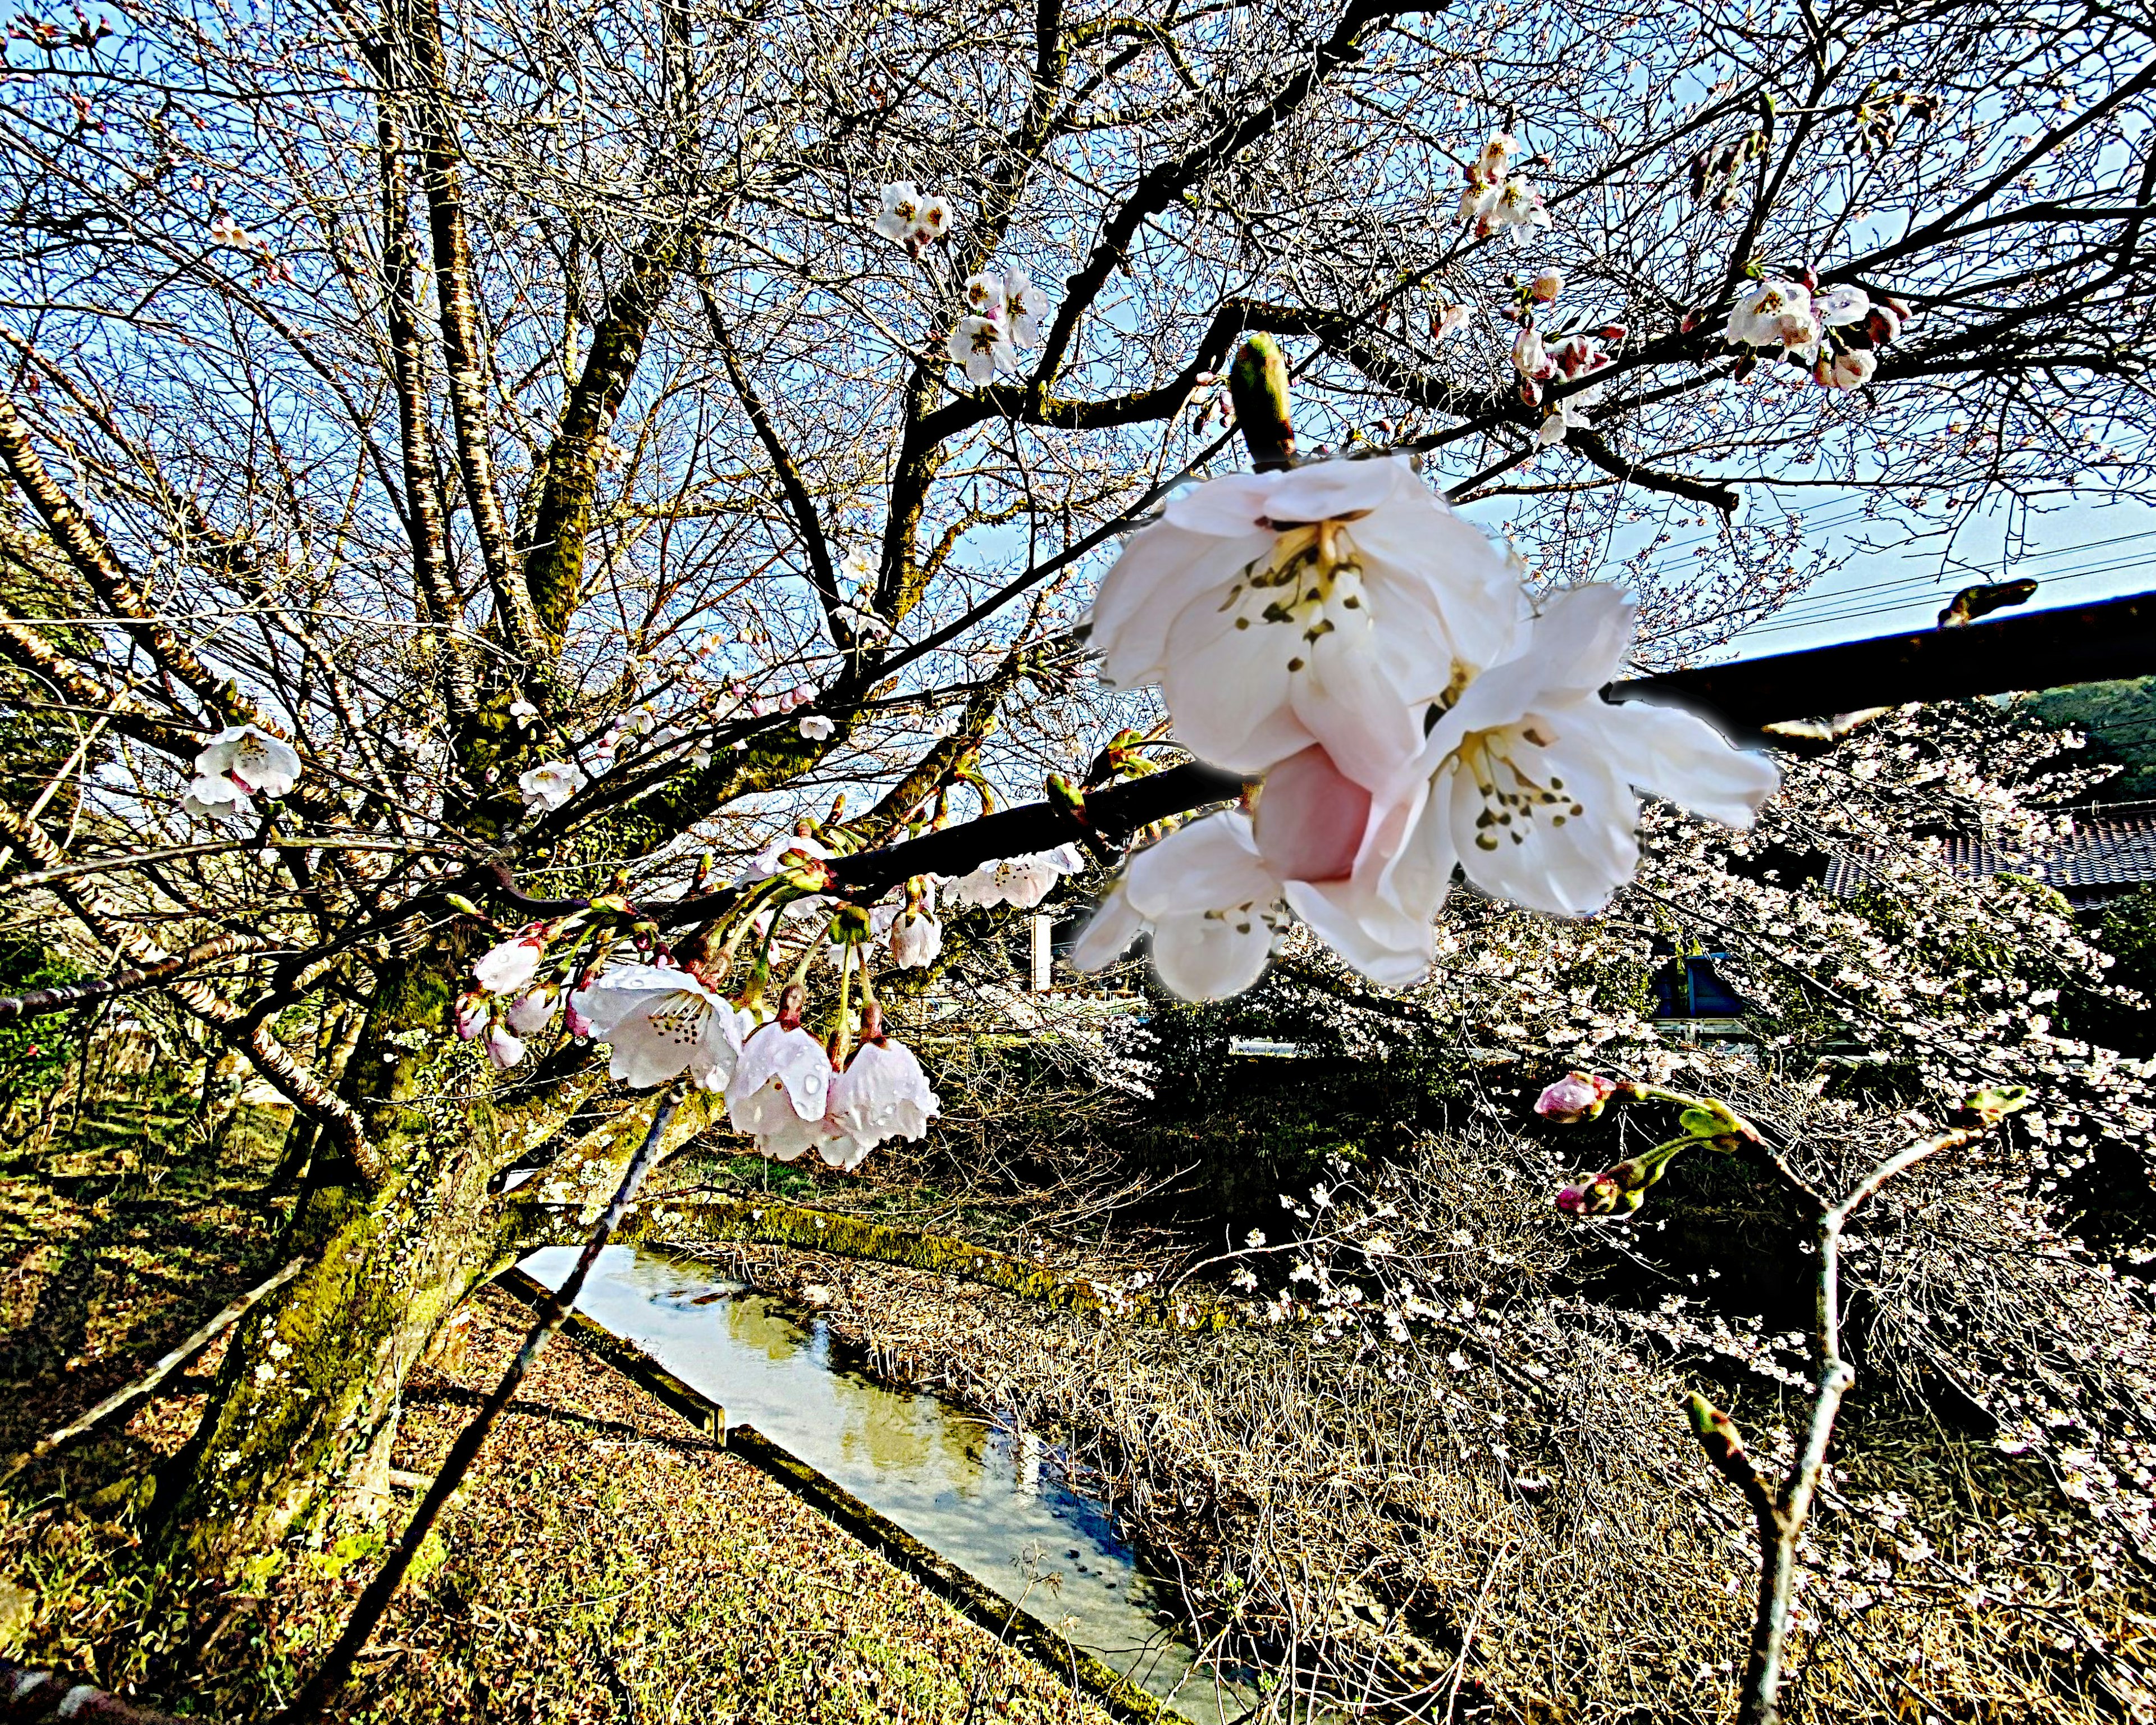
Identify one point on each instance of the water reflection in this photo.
(999, 1503)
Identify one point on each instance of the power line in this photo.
(1819, 619)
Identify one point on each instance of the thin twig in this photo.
(1781, 1515)
(144, 1386)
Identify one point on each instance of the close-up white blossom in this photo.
(1532, 773)
(550, 784)
(659, 1022)
(982, 344)
(1326, 604)
(1022, 881)
(779, 1089)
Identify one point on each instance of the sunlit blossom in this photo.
(1532, 772)
(983, 345)
(1020, 880)
(1024, 307)
(1328, 603)
(779, 1090)
(506, 969)
(1213, 893)
(550, 784)
(259, 764)
(661, 1021)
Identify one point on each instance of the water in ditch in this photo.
(999, 1504)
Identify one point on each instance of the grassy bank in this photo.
(604, 1562)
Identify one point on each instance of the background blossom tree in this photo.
(551, 434)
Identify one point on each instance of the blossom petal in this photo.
(1210, 955)
(1571, 870)
(1326, 490)
(1230, 690)
(1107, 934)
(1677, 754)
(1310, 818)
(1211, 864)
(1229, 507)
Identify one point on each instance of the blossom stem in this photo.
(840, 1041)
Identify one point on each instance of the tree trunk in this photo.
(310, 1384)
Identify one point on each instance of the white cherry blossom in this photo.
(1841, 306)
(1019, 881)
(1776, 314)
(503, 1046)
(882, 1094)
(779, 1090)
(984, 294)
(1358, 869)
(930, 224)
(259, 764)
(1530, 357)
(1328, 603)
(1024, 307)
(1517, 209)
(815, 728)
(506, 969)
(983, 345)
(1532, 773)
(214, 796)
(533, 1010)
(1852, 370)
(662, 1021)
(1567, 415)
(916, 937)
(550, 784)
(899, 211)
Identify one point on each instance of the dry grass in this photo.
(1507, 1518)
(604, 1562)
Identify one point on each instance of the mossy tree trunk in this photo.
(307, 1401)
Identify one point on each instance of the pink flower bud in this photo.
(1612, 333)
(1596, 1195)
(1547, 286)
(1574, 1097)
(1531, 392)
(471, 1013)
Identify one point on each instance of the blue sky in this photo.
(2085, 551)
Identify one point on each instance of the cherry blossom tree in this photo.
(514, 517)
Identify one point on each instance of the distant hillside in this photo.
(2120, 721)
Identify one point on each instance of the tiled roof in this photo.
(2112, 847)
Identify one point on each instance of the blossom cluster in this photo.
(1495, 200)
(1834, 334)
(603, 974)
(1564, 361)
(1004, 314)
(1336, 633)
(915, 222)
